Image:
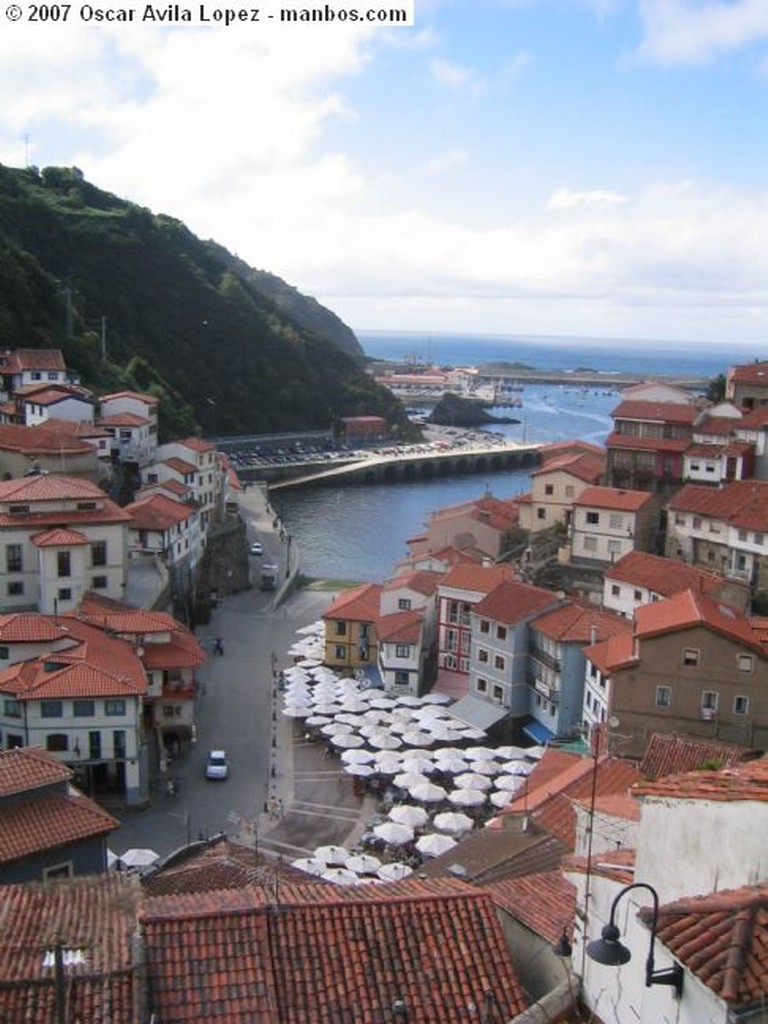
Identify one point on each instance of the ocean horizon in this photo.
(562, 352)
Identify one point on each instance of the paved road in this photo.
(238, 709)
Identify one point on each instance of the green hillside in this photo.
(228, 349)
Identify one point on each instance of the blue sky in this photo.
(579, 167)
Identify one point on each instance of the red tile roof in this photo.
(156, 512)
(360, 604)
(19, 359)
(656, 412)
(49, 821)
(561, 779)
(347, 953)
(615, 652)
(479, 579)
(146, 399)
(754, 419)
(124, 419)
(221, 865)
(28, 768)
(180, 465)
(613, 498)
(196, 444)
(59, 538)
(581, 623)
(743, 503)
(750, 373)
(49, 487)
(647, 444)
(423, 581)
(512, 601)
(587, 467)
(545, 903)
(403, 627)
(745, 781)
(29, 627)
(663, 576)
(722, 938)
(48, 438)
(94, 915)
(686, 609)
(671, 754)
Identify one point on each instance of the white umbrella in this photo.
(517, 768)
(309, 663)
(453, 821)
(394, 872)
(363, 864)
(467, 797)
(501, 798)
(485, 767)
(325, 709)
(408, 701)
(480, 753)
(416, 738)
(112, 858)
(311, 865)
(309, 630)
(414, 761)
(340, 876)
(297, 711)
(358, 756)
(508, 753)
(139, 857)
(350, 705)
(471, 733)
(383, 702)
(347, 740)
(428, 792)
(510, 783)
(318, 720)
(363, 771)
(435, 843)
(407, 779)
(408, 814)
(439, 731)
(535, 753)
(451, 765)
(444, 752)
(388, 763)
(437, 698)
(336, 729)
(350, 718)
(331, 854)
(393, 832)
(470, 780)
(385, 741)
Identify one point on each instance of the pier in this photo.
(404, 466)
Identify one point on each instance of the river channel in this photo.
(359, 531)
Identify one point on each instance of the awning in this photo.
(537, 732)
(477, 712)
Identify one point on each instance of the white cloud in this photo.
(696, 31)
(569, 199)
(447, 161)
(447, 73)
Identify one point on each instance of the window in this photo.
(499, 662)
(56, 871)
(590, 543)
(15, 588)
(58, 742)
(541, 513)
(51, 709)
(679, 519)
(341, 629)
(64, 563)
(114, 707)
(690, 657)
(498, 694)
(485, 626)
(83, 708)
(614, 546)
(340, 651)
(403, 651)
(118, 743)
(99, 553)
(696, 522)
(14, 561)
(745, 662)
(593, 518)
(615, 590)
(481, 685)
(708, 704)
(663, 696)
(570, 490)
(549, 489)
(99, 582)
(759, 539)
(482, 655)
(616, 520)
(741, 705)
(743, 535)
(11, 708)
(501, 632)
(638, 595)
(4, 653)
(404, 604)
(94, 746)
(86, 506)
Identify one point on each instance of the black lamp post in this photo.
(608, 949)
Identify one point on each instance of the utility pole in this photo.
(103, 339)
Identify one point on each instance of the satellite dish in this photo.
(613, 721)
(140, 653)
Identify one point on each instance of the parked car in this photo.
(257, 548)
(217, 765)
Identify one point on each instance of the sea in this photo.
(359, 532)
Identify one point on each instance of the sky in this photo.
(559, 167)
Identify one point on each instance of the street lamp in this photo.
(608, 949)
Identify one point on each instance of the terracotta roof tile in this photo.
(156, 512)
(754, 419)
(686, 609)
(579, 623)
(49, 487)
(44, 439)
(423, 581)
(612, 498)
(747, 780)
(180, 465)
(750, 373)
(359, 604)
(480, 579)
(670, 754)
(610, 654)
(743, 503)
(405, 627)
(588, 467)
(28, 768)
(647, 444)
(722, 938)
(30, 627)
(663, 576)
(124, 419)
(545, 903)
(49, 821)
(59, 538)
(512, 601)
(19, 359)
(656, 412)
(138, 395)
(196, 444)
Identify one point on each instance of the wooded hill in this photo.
(226, 348)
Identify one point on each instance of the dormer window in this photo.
(86, 506)
(18, 510)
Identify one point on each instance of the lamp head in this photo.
(562, 947)
(607, 949)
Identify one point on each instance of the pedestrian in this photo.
(280, 808)
(218, 645)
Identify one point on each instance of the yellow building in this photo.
(350, 628)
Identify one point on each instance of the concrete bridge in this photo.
(418, 465)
